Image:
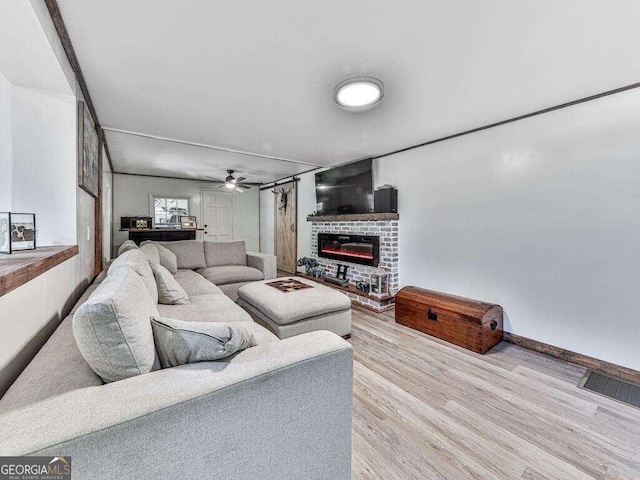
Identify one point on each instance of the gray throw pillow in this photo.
(218, 254)
(179, 342)
(126, 246)
(169, 290)
(168, 259)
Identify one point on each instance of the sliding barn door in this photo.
(286, 226)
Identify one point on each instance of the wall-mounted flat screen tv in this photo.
(345, 189)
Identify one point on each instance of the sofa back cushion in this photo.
(218, 254)
(151, 251)
(113, 328)
(138, 262)
(126, 246)
(189, 253)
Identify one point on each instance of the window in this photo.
(167, 211)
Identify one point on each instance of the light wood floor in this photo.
(425, 409)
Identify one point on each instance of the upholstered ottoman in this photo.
(292, 305)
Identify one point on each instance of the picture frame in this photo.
(88, 152)
(5, 232)
(17, 232)
(188, 221)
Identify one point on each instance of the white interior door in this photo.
(217, 215)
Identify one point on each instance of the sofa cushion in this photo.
(225, 253)
(57, 368)
(231, 274)
(288, 307)
(169, 290)
(151, 251)
(261, 334)
(126, 246)
(179, 343)
(113, 328)
(189, 253)
(138, 262)
(195, 284)
(206, 308)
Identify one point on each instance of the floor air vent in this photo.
(611, 387)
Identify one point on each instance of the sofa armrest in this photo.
(264, 262)
(278, 410)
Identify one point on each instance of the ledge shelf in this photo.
(22, 267)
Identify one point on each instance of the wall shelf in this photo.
(21, 267)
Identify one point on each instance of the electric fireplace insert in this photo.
(361, 249)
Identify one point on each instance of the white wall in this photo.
(540, 216)
(43, 176)
(5, 144)
(131, 197)
(267, 218)
(306, 206)
(107, 208)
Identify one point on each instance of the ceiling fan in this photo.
(232, 183)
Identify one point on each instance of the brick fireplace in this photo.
(354, 240)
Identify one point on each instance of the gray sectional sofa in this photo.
(226, 264)
(278, 410)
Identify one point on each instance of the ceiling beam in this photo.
(63, 34)
(211, 147)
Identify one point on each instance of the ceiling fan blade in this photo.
(245, 186)
(224, 185)
(239, 190)
(239, 180)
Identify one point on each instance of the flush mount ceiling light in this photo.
(358, 94)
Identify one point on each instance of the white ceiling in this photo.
(26, 57)
(259, 76)
(151, 156)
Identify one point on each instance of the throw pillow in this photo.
(179, 342)
(169, 290)
(218, 254)
(126, 246)
(168, 259)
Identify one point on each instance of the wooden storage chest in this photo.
(468, 323)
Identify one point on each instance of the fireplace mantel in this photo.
(354, 217)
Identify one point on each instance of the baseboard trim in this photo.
(573, 357)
